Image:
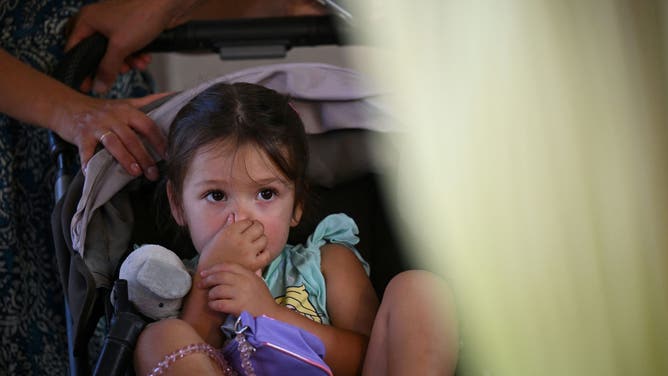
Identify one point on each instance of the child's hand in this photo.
(234, 288)
(240, 242)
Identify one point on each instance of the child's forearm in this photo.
(345, 349)
(203, 319)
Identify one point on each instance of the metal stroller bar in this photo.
(72, 70)
(248, 38)
(126, 326)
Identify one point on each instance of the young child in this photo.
(236, 167)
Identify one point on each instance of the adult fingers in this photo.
(86, 85)
(78, 32)
(86, 152)
(125, 68)
(138, 61)
(110, 66)
(148, 99)
(116, 147)
(146, 127)
(124, 144)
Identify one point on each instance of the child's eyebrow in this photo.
(208, 183)
(261, 181)
(270, 180)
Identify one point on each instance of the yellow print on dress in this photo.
(296, 298)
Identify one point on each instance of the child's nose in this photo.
(240, 212)
(240, 216)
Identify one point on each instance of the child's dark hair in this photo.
(244, 114)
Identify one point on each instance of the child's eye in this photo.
(215, 196)
(266, 194)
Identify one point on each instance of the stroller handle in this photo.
(77, 64)
(212, 36)
(231, 38)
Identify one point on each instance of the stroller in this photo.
(341, 117)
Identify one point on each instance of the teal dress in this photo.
(32, 325)
(295, 278)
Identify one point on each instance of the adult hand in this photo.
(116, 124)
(129, 25)
(241, 242)
(234, 288)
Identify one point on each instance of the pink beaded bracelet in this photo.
(203, 348)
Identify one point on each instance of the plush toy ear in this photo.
(164, 279)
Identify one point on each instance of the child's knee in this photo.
(164, 334)
(416, 283)
(163, 327)
(159, 339)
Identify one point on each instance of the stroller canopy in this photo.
(327, 98)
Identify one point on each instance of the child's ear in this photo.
(296, 215)
(174, 205)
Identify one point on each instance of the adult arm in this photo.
(35, 98)
(129, 25)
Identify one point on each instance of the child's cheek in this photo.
(277, 237)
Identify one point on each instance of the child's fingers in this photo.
(215, 279)
(238, 226)
(224, 267)
(263, 259)
(230, 219)
(254, 231)
(260, 243)
(222, 292)
(224, 306)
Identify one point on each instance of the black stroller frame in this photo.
(359, 197)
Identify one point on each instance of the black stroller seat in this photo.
(102, 216)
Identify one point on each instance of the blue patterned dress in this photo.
(32, 326)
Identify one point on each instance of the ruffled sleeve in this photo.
(295, 277)
(340, 229)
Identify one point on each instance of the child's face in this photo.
(224, 180)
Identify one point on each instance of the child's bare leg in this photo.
(415, 330)
(166, 337)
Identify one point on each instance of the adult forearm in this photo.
(29, 95)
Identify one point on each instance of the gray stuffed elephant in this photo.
(157, 281)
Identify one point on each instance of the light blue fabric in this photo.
(294, 277)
